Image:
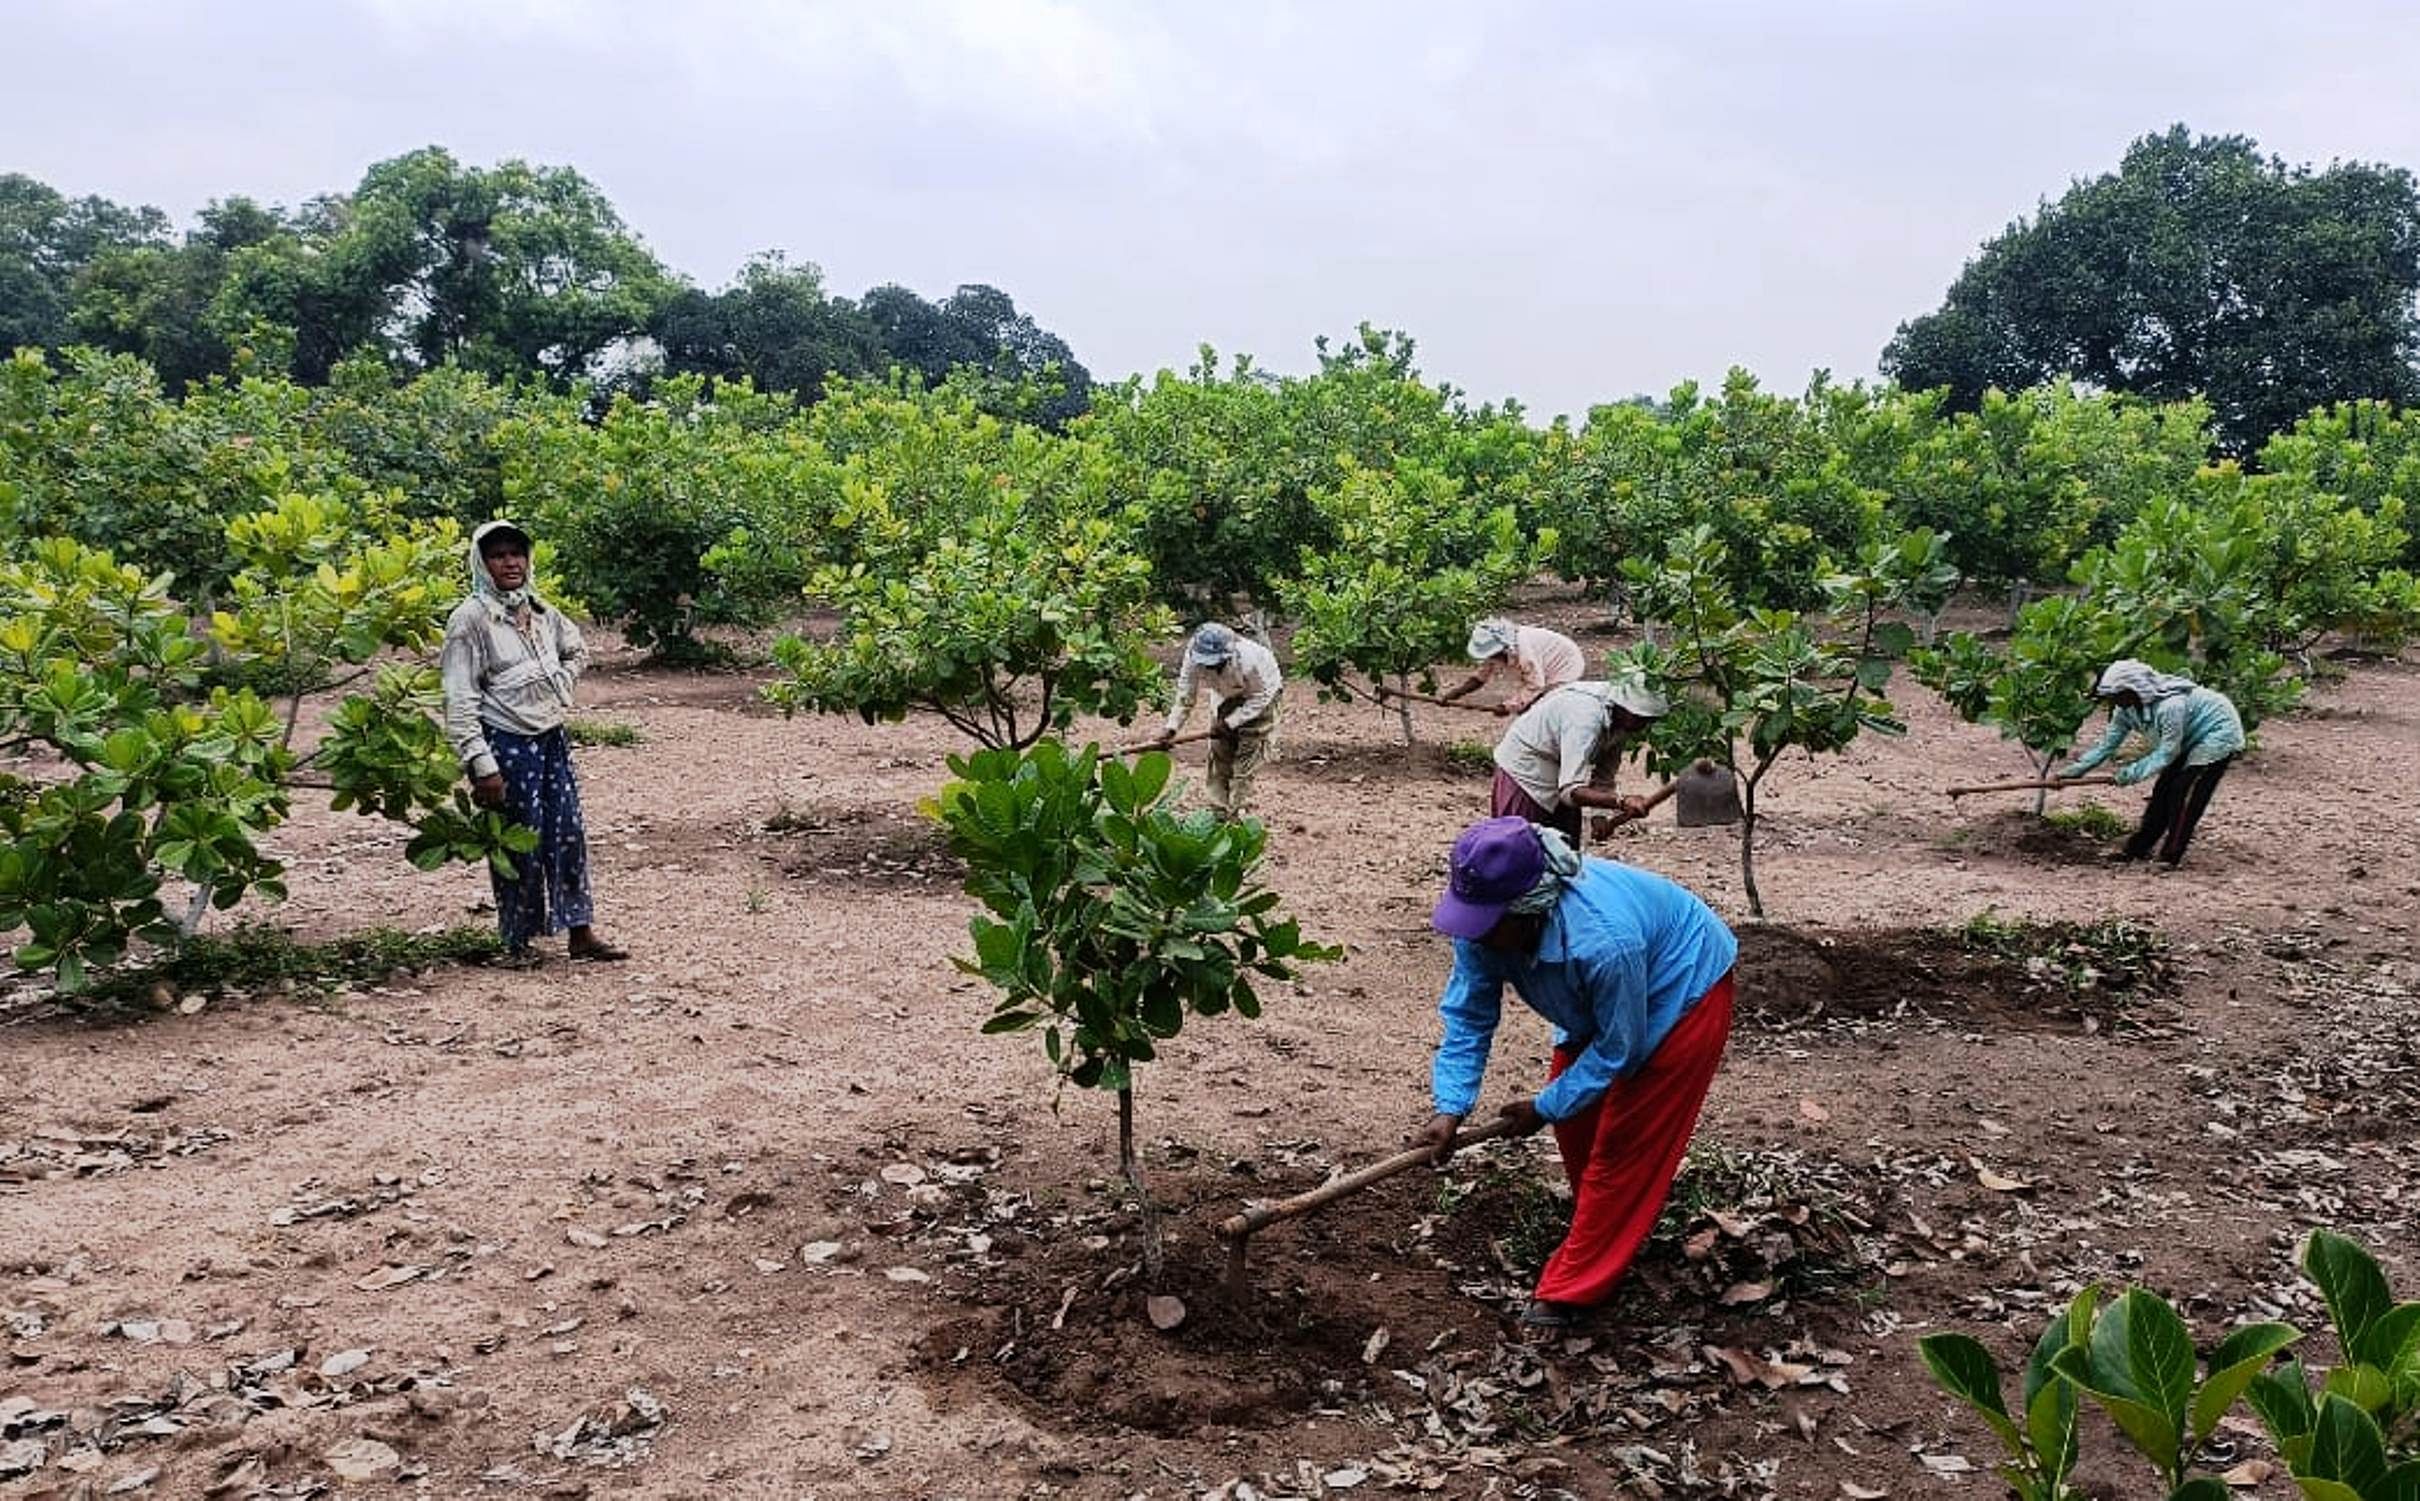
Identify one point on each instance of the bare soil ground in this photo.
(759, 1214)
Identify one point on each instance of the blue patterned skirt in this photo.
(548, 891)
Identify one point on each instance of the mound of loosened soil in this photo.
(1064, 1320)
(1789, 979)
(871, 848)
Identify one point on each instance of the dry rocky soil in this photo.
(760, 1214)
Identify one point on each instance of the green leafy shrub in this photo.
(100, 665)
(1412, 565)
(2135, 1360)
(1109, 917)
(1749, 685)
(1008, 626)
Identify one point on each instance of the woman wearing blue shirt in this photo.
(2194, 734)
(1635, 974)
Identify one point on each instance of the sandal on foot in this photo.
(598, 953)
(1543, 1317)
(517, 959)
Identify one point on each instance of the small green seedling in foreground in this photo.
(1111, 917)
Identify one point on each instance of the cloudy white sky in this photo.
(1563, 200)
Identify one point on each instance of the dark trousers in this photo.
(2178, 800)
(1507, 800)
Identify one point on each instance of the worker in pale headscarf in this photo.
(1551, 758)
(1243, 682)
(1536, 658)
(1634, 973)
(2194, 734)
(508, 665)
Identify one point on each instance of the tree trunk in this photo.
(2018, 594)
(1130, 1162)
(1403, 706)
(1747, 848)
(195, 911)
(2041, 795)
(1930, 631)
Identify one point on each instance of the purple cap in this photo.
(1495, 864)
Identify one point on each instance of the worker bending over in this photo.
(2194, 734)
(1243, 682)
(1537, 658)
(1635, 974)
(1550, 757)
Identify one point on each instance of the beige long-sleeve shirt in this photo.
(1250, 675)
(495, 678)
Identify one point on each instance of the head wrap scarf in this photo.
(2141, 679)
(1493, 637)
(514, 605)
(1562, 864)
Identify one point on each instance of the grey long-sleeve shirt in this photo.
(495, 678)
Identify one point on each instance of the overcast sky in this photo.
(1564, 201)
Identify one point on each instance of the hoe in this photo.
(1239, 1229)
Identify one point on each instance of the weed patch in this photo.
(604, 732)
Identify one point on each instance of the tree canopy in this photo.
(514, 271)
(2199, 267)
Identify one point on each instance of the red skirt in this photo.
(1622, 1152)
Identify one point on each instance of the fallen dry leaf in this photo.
(1746, 1292)
(2001, 1183)
(361, 1459)
(1813, 1113)
(1743, 1367)
(581, 1235)
(903, 1175)
(1165, 1312)
(1850, 1490)
(1701, 1245)
(817, 1252)
(2249, 1474)
(344, 1363)
(1376, 1346)
(390, 1276)
(906, 1274)
(1947, 1464)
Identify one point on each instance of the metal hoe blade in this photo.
(1708, 794)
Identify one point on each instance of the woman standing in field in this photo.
(509, 663)
(2194, 734)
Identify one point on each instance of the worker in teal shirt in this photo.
(2194, 735)
(1635, 974)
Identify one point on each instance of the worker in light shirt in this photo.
(1241, 677)
(1550, 758)
(1535, 657)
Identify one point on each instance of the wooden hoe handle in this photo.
(1260, 1216)
(2049, 786)
(1147, 745)
(1384, 693)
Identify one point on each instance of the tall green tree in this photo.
(46, 241)
(776, 326)
(2200, 266)
(506, 269)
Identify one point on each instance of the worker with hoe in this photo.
(508, 666)
(2194, 734)
(1635, 974)
(1539, 658)
(1242, 679)
(1549, 760)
